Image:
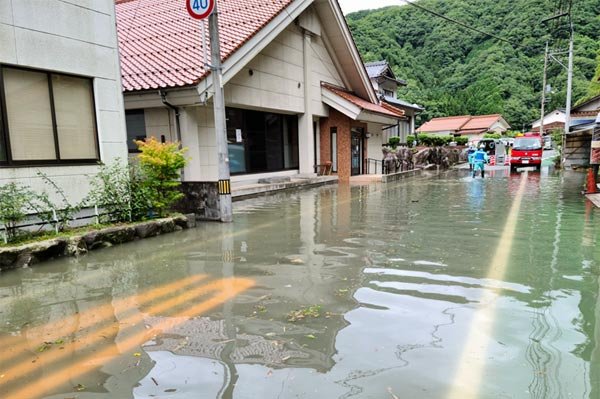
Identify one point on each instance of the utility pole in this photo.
(569, 90)
(544, 91)
(225, 207)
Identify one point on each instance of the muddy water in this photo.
(423, 289)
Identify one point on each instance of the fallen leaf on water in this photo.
(137, 354)
(310, 336)
(171, 390)
(79, 387)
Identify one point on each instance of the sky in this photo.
(356, 5)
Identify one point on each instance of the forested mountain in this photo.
(452, 70)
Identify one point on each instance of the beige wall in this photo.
(272, 81)
(67, 37)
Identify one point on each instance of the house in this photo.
(296, 91)
(585, 124)
(61, 105)
(386, 85)
(552, 121)
(474, 127)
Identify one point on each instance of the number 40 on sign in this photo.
(200, 9)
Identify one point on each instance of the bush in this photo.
(393, 142)
(492, 136)
(461, 140)
(64, 212)
(16, 203)
(119, 190)
(160, 166)
(410, 141)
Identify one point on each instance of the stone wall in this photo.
(30, 254)
(201, 198)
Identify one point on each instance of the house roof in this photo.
(401, 103)
(443, 124)
(380, 70)
(586, 102)
(377, 68)
(481, 122)
(383, 108)
(463, 124)
(160, 45)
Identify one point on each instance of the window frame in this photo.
(5, 132)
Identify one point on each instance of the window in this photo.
(261, 141)
(47, 118)
(333, 137)
(136, 128)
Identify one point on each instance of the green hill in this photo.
(452, 70)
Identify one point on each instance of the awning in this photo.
(359, 109)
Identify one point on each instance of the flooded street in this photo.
(441, 287)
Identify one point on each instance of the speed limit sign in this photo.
(200, 9)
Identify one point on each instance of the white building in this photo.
(296, 91)
(61, 105)
(386, 85)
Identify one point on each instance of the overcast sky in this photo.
(356, 5)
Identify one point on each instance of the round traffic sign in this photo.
(200, 9)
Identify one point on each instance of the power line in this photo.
(420, 7)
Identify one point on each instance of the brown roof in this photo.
(464, 124)
(383, 108)
(443, 124)
(160, 44)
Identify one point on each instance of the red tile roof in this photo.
(384, 109)
(464, 124)
(160, 44)
(481, 122)
(443, 124)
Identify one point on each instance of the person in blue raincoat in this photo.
(470, 153)
(480, 158)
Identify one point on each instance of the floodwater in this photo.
(440, 287)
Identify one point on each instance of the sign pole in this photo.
(225, 204)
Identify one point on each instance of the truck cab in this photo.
(527, 150)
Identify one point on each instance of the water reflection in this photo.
(400, 272)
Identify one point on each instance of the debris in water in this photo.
(79, 387)
(154, 381)
(392, 393)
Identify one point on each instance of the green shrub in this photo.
(492, 136)
(461, 140)
(119, 190)
(424, 139)
(410, 141)
(394, 141)
(160, 166)
(65, 211)
(16, 203)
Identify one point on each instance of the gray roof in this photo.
(376, 69)
(402, 103)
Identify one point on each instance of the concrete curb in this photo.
(30, 254)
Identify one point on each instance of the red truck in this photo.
(527, 151)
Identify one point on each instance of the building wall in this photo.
(344, 126)
(374, 145)
(274, 79)
(74, 38)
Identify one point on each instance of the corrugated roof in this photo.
(160, 44)
(384, 109)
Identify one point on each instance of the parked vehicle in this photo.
(527, 151)
(494, 147)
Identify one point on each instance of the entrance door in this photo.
(357, 153)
